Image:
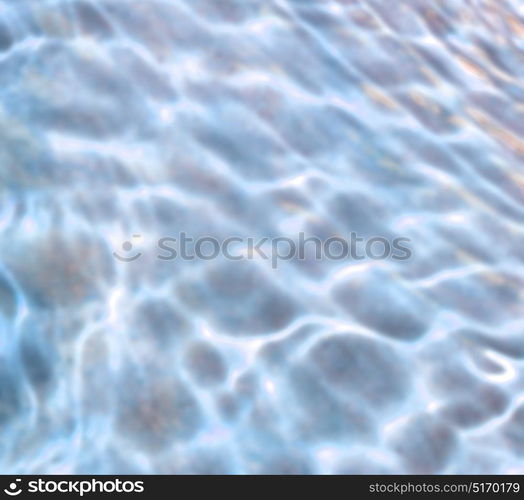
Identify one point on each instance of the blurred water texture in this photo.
(261, 118)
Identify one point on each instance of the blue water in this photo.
(261, 118)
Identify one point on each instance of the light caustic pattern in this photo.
(261, 118)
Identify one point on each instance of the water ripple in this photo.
(261, 118)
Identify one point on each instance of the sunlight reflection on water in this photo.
(255, 118)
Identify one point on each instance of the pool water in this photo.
(123, 122)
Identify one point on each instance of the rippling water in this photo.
(261, 118)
